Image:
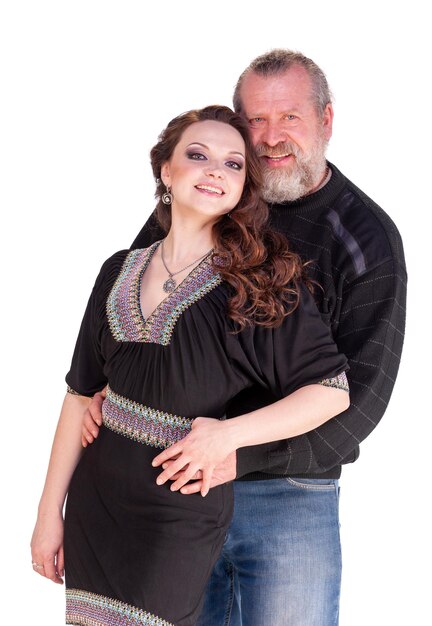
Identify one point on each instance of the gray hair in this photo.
(277, 62)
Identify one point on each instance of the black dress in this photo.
(135, 552)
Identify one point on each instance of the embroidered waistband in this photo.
(88, 609)
(142, 423)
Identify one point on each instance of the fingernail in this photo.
(173, 488)
(159, 481)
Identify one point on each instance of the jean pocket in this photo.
(314, 484)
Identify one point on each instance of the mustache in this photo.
(280, 149)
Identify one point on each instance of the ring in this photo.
(36, 565)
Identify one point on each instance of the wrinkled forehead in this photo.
(292, 88)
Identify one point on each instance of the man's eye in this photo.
(256, 120)
(234, 165)
(290, 117)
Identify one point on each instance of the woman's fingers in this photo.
(38, 566)
(60, 562)
(177, 466)
(206, 480)
(184, 477)
(201, 485)
(51, 571)
(46, 567)
(193, 487)
(196, 476)
(169, 453)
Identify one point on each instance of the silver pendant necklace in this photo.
(170, 284)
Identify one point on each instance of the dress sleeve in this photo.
(86, 375)
(300, 352)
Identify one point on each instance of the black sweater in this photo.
(357, 258)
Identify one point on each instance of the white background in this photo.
(86, 88)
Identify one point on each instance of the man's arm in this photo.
(370, 333)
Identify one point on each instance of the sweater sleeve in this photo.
(370, 333)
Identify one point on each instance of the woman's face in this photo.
(207, 170)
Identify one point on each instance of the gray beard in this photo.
(285, 185)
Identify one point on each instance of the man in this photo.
(281, 561)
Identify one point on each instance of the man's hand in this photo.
(223, 473)
(206, 447)
(92, 419)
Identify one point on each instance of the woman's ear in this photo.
(165, 174)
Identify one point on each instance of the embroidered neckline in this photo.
(125, 317)
(153, 249)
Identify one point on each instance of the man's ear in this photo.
(327, 121)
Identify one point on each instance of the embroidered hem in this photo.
(89, 609)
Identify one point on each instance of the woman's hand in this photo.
(204, 448)
(47, 547)
(223, 473)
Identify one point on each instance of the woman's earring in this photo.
(167, 196)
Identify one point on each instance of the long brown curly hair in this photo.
(263, 273)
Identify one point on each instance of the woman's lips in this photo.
(211, 190)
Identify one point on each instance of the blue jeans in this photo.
(281, 561)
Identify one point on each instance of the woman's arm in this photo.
(47, 539)
(211, 441)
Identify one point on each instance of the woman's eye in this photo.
(234, 165)
(195, 156)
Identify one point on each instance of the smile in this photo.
(280, 160)
(210, 189)
(278, 157)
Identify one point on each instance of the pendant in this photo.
(169, 285)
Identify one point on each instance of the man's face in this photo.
(289, 135)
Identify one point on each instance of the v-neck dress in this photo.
(135, 552)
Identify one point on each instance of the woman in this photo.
(176, 331)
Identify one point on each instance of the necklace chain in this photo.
(170, 284)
